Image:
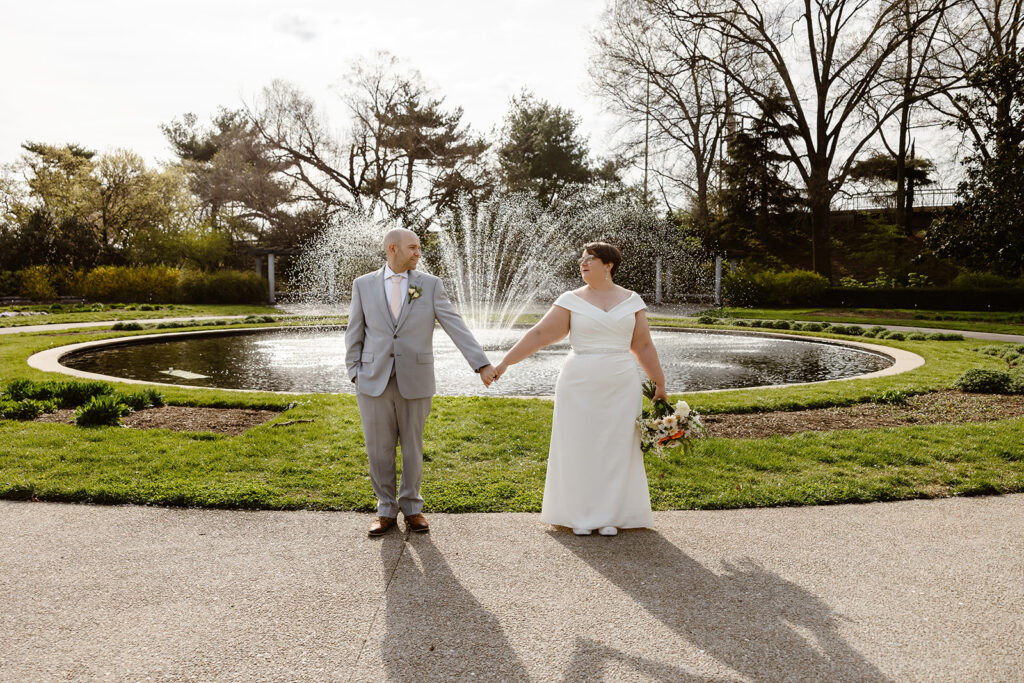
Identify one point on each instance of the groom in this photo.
(390, 358)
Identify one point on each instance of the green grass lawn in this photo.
(976, 321)
(67, 313)
(488, 454)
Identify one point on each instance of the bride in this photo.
(595, 477)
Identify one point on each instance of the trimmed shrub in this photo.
(101, 410)
(126, 326)
(37, 283)
(1016, 382)
(740, 323)
(797, 287)
(707, 320)
(980, 381)
(812, 327)
(934, 299)
(781, 325)
(974, 280)
(223, 287)
(945, 336)
(916, 336)
(135, 284)
(769, 288)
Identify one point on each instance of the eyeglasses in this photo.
(587, 259)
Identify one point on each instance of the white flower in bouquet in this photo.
(671, 421)
(682, 409)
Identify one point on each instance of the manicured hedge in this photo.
(769, 288)
(144, 284)
(929, 299)
(804, 288)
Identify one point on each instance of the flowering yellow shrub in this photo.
(131, 284)
(37, 283)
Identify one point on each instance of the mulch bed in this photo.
(230, 421)
(942, 407)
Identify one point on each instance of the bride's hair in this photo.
(608, 253)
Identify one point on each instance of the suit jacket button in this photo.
(392, 355)
(396, 336)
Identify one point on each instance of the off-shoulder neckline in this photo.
(628, 298)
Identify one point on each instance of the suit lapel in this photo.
(381, 299)
(408, 303)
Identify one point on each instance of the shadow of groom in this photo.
(747, 618)
(435, 629)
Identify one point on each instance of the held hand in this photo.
(500, 370)
(660, 393)
(487, 375)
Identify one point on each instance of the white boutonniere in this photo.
(414, 293)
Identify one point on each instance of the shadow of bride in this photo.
(747, 618)
(435, 629)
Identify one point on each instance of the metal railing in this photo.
(926, 198)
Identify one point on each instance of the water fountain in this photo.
(499, 259)
(503, 256)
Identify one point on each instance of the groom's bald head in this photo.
(402, 248)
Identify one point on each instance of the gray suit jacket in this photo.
(375, 342)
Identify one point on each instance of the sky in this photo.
(106, 73)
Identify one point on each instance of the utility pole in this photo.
(647, 140)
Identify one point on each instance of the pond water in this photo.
(313, 360)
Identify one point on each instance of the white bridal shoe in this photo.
(608, 531)
(581, 532)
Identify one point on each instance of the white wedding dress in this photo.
(596, 474)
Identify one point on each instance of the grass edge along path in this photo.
(488, 454)
(972, 321)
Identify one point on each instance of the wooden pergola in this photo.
(270, 253)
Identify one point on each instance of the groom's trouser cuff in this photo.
(387, 420)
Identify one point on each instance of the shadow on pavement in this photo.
(747, 618)
(435, 629)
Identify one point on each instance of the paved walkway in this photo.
(888, 591)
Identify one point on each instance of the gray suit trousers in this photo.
(390, 419)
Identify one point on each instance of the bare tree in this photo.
(915, 75)
(827, 57)
(977, 31)
(651, 71)
(404, 157)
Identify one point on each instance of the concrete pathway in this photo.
(888, 591)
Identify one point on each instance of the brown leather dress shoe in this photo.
(381, 525)
(417, 522)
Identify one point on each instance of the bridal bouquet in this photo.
(663, 426)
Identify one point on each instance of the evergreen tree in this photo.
(541, 150)
(757, 205)
(985, 227)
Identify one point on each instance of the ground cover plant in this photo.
(97, 403)
(977, 321)
(488, 454)
(44, 314)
